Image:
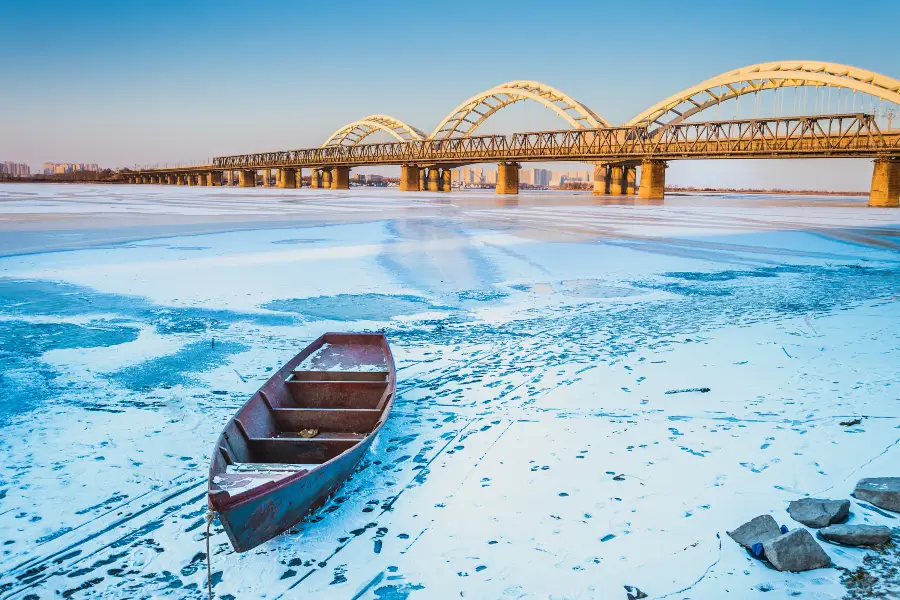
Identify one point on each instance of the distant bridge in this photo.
(658, 134)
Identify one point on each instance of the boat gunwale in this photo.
(220, 500)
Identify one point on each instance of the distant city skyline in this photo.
(143, 90)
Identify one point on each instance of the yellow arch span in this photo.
(766, 76)
(353, 133)
(468, 116)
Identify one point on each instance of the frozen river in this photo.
(544, 442)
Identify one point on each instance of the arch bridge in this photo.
(667, 130)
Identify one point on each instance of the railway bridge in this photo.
(666, 131)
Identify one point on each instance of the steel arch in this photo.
(353, 133)
(468, 116)
(766, 76)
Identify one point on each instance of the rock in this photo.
(797, 550)
(756, 531)
(857, 535)
(634, 593)
(883, 492)
(816, 512)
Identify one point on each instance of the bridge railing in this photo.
(826, 135)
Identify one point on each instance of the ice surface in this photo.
(532, 450)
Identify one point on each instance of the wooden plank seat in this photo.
(291, 450)
(336, 394)
(350, 420)
(301, 375)
(325, 435)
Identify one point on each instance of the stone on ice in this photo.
(857, 535)
(816, 512)
(797, 550)
(756, 531)
(883, 492)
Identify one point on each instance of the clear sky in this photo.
(124, 83)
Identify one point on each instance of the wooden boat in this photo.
(300, 436)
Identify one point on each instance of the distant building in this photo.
(526, 176)
(490, 177)
(50, 168)
(542, 177)
(15, 169)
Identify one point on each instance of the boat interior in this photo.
(322, 403)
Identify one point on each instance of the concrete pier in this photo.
(340, 178)
(885, 183)
(326, 179)
(202, 180)
(298, 177)
(266, 178)
(409, 178)
(287, 178)
(446, 180)
(247, 179)
(423, 179)
(434, 179)
(214, 178)
(315, 178)
(630, 180)
(616, 181)
(601, 180)
(508, 178)
(653, 179)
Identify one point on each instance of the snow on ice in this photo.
(535, 449)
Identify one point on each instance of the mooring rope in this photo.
(210, 517)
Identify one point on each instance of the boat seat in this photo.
(301, 375)
(336, 394)
(325, 435)
(331, 420)
(297, 450)
(241, 477)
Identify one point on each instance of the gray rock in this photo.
(857, 535)
(756, 531)
(797, 550)
(816, 512)
(883, 492)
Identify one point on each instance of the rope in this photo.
(210, 517)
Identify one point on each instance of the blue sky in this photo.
(123, 83)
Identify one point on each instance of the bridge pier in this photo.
(447, 180)
(340, 178)
(287, 178)
(423, 179)
(508, 178)
(630, 179)
(266, 175)
(202, 179)
(885, 183)
(214, 178)
(653, 179)
(191, 179)
(601, 180)
(434, 179)
(616, 180)
(298, 177)
(409, 178)
(315, 178)
(326, 179)
(247, 178)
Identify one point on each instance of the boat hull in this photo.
(257, 520)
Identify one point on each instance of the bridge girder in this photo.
(469, 116)
(766, 76)
(353, 133)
